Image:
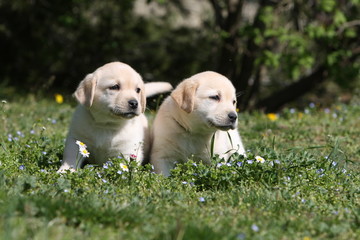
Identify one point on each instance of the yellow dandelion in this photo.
(307, 238)
(272, 116)
(59, 98)
(237, 110)
(300, 115)
(124, 167)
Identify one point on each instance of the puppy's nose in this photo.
(232, 117)
(133, 104)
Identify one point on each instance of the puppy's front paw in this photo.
(65, 169)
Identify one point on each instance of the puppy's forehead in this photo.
(118, 73)
(216, 83)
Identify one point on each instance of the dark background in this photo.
(275, 52)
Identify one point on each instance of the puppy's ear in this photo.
(184, 95)
(142, 98)
(86, 90)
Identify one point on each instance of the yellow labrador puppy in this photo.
(198, 108)
(109, 118)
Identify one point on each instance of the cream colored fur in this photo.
(109, 118)
(198, 108)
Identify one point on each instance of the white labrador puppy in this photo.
(109, 118)
(198, 108)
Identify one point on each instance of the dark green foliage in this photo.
(275, 55)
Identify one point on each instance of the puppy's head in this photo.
(113, 90)
(208, 98)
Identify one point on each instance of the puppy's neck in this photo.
(190, 124)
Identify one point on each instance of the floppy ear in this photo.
(143, 98)
(86, 90)
(184, 95)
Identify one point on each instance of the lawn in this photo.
(307, 187)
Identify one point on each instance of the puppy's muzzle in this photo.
(232, 116)
(133, 104)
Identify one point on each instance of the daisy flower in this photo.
(84, 152)
(81, 144)
(259, 159)
(124, 167)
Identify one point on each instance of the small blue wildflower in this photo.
(335, 212)
(104, 180)
(292, 110)
(201, 199)
(16, 138)
(99, 175)
(303, 200)
(32, 131)
(194, 164)
(334, 164)
(20, 134)
(327, 110)
(107, 164)
(119, 172)
(42, 170)
(184, 182)
(312, 105)
(343, 171)
(239, 164)
(53, 121)
(66, 190)
(334, 115)
(241, 236)
(27, 145)
(219, 165)
(44, 153)
(320, 171)
(21, 167)
(228, 164)
(306, 111)
(250, 161)
(255, 228)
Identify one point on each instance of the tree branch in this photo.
(218, 13)
(275, 101)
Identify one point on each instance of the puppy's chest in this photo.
(194, 146)
(111, 144)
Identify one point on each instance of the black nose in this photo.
(133, 104)
(232, 116)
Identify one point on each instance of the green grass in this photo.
(308, 187)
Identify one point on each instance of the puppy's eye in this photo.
(115, 87)
(234, 102)
(138, 90)
(215, 97)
